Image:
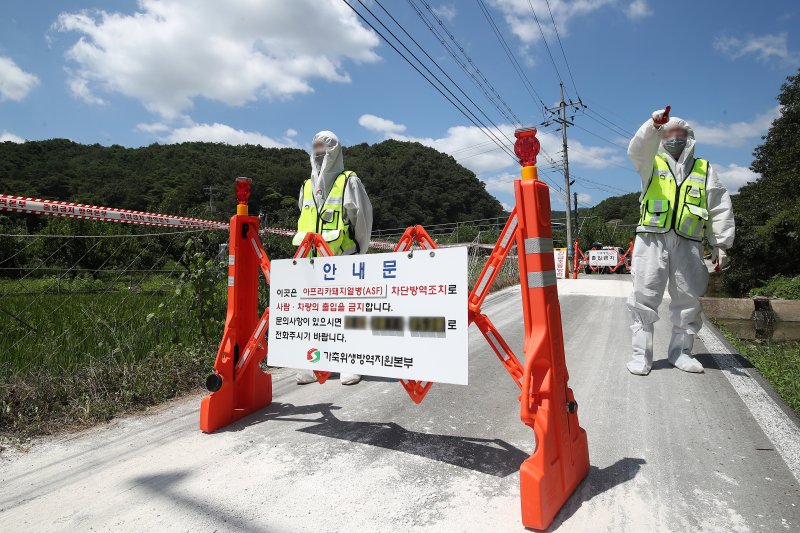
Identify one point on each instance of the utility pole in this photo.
(577, 225)
(211, 192)
(560, 116)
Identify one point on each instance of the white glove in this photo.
(660, 117)
(719, 258)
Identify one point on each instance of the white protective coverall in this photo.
(357, 209)
(667, 259)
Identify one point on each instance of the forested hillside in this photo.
(408, 183)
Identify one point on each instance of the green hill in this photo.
(408, 183)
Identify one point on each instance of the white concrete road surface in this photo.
(669, 452)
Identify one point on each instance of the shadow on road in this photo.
(597, 482)
(495, 457)
(733, 363)
(164, 486)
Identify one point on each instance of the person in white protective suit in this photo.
(682, 202)
(334, 204)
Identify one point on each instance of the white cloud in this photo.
(734, 176)
(222, 133)
(519, 18)
(15, 83)
(584, 198)
(291, 133)
(735, 133)
(501, 183)
(170, 52)
(763, 47)
(638, 9)
(6, 136)
(447, 12)
(471, 147)
(380, 125)
(152, 127)
(79, 87)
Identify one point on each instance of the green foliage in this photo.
(83, 349)
(203, 285)
(408, 183)
(768, 210)
(779, 287)
(624, 208)
(778, 362)
(611, 222)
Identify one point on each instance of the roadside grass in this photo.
(79, 350)
(778, 362)
(87, 350)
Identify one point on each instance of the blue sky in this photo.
(275, 72)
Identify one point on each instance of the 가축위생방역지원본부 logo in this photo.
(312, 356)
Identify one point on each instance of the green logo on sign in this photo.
(313, 355)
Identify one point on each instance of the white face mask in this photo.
(674, 145)
(319, 157)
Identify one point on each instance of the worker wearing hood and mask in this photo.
(334, 204)
(682, 203)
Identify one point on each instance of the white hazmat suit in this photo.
(667, 260)
(356, 206)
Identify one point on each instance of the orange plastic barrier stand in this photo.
(238, 385)
(561, 458)
(415, 234)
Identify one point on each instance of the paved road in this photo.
(669, 452)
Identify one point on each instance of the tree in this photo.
(767, 210)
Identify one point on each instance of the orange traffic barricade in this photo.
(560, 459)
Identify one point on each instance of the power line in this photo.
(619, 130)
(563, 54)
(514, 63)
(438, 66)
(599, 185)
(546, 45)
(501, 105)
(597, 108)
(460, 106)
(601, 137)
(432, 74)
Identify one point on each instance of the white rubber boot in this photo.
(349, 379)
(642, 342)
(680, 353)
(304, 377)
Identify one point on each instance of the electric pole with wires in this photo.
(559, 116)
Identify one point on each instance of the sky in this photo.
(274, 72)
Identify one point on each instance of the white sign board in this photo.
(397, 315)
(562, 271)
(603, 258)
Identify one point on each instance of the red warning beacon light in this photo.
(242, 194)
(243, 189)
(527, 146)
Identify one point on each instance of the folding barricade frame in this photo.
(560, 459)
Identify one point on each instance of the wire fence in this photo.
(67, 299)
(97, 318)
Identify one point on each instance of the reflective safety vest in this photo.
(666, 206)
(329, 221)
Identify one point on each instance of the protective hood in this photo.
(323, 176)
(688, 152)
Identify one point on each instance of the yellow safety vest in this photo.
(665, 206)
(329, 221)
